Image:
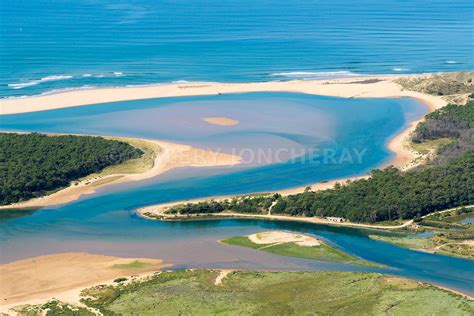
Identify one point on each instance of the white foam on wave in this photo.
(180, 81)
(38, 81)
(398, 69)
(314, 74)
(451, 62)
(34, 82)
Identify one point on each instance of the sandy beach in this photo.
(382, 86)
(171, 156)
(63, 276)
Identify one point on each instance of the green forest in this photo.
(33, 165)
(444, 182)
(455, 122)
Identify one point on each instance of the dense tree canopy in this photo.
(390, 194)
(387, 195)
(32, 165)
(452, 121)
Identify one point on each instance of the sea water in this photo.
(50, 45)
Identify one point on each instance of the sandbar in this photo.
(223, 121)
(64, 275)
(278, 236)
(381, 86)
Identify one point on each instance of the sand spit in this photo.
(171, 156)
(383, 86)
(63, 276)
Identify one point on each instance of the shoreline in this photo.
(379, 86)
(31, 281)
(171, 155)
(34, 280)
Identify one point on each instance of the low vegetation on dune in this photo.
(195, 292)
(453, 125)
(33, 165)
(256, 203)
(441, 84)
(136, 165)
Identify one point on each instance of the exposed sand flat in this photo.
(63, 276)
(171, 156)
(360, 87)
(223, 121)
(278, 236)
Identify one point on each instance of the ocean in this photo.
(51, 45)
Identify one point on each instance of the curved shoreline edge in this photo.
(382, 86)
(38, 288)
(171, 155)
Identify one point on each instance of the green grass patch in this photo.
(186, 292)
(412, 243)
(52, 308)
(137, 165)
(241, 241)
(131, 265)
(323, 252)
(277, 293)
(431, 145)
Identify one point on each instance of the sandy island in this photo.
(171, 156)
(223, 121)
(64, 275)
(282, 237)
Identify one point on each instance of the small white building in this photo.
(336, 219)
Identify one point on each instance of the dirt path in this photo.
(221, 276)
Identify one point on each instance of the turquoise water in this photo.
(468, 220)
(106, 222)
(321, 138)
(58, 44)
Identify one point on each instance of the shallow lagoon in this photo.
(106, 222)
